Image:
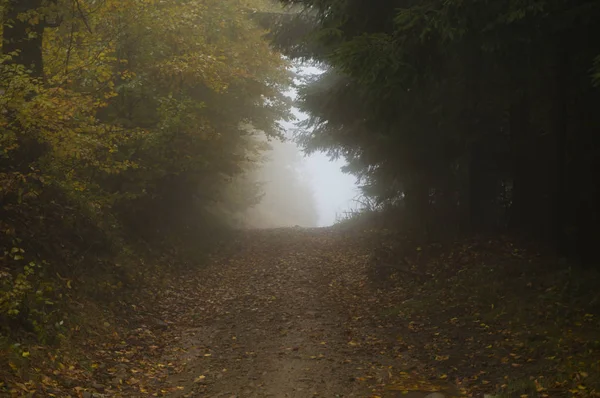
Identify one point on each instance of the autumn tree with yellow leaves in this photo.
(123, 123)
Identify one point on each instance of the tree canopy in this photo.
(474, 116)
(127, 123)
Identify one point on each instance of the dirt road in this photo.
(273, 330)
(338, 313)
(270, 321)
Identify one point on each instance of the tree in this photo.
(23, 34)
(124, 124)
(464, 112)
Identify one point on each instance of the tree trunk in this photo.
(464, 193)
(469, 196)
(484, 189)
(417, 206)
(560, 113)
(522, 205)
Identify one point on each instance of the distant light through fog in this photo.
(334, 190)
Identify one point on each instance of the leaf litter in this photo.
(334, 313)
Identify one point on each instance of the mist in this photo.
(287, 196)
(296, 189)
(333, 190)
(299, 189)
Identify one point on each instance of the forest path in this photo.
(335, 312)
(271, 320)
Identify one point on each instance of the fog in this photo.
(307, 191)
(287, 195)
(298, 189)
(333, 190)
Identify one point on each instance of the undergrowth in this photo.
(491, 314)
(494, 315)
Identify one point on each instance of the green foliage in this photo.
(132, 135)
(454, 111)
(28, 300)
